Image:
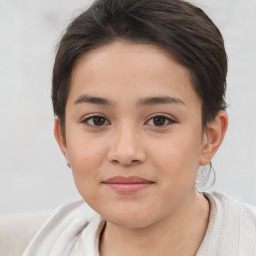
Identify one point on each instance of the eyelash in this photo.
(167, 120)
(91, 118)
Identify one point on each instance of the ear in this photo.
(60, 139)
(213, 136)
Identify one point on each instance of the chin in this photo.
(130, 219)
(130, 223)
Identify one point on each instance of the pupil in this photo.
(159, 120)
(98, 121)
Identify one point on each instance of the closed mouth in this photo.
(128, 185)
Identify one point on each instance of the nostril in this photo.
(115, 162)
(125, 162)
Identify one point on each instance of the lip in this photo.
(127, 185)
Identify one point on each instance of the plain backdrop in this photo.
(33, 173)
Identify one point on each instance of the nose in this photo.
(126, 148)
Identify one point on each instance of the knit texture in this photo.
(68, 232)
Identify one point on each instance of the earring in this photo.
(68, 165)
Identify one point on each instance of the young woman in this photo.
(139, 97)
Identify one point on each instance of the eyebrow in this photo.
(141, 102)
(93, 100)
(160, 100)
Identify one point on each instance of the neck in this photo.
(181, 233)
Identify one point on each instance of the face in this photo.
(134, 136)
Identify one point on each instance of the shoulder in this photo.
(62, 230)
(27, 232)
(230, 206)
(232, 226)
(16, 230)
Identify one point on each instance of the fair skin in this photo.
(134, 140)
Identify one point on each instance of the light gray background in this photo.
(33, 173)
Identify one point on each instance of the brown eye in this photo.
(96, 121)
(159, 120)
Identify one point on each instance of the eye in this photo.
(160, 121)
(96, 120)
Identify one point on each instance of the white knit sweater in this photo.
(231, 232)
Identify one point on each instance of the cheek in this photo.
(181, 146)
(86, 156)
(83, 148)
(178, 156)
(86, 159)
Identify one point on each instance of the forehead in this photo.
(129, 68)
(123, 53)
